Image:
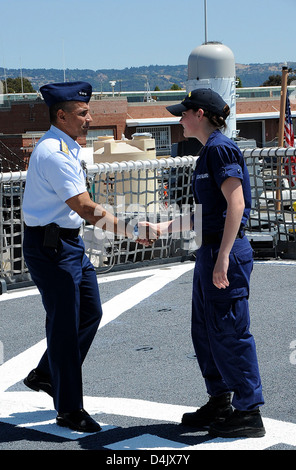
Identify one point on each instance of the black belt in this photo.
(212, 238)
(63, 232)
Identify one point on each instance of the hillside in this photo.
(135, 78)
(256, 74)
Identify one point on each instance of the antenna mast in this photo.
(206, 32)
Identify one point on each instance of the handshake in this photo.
(147, 233)
(144, 233)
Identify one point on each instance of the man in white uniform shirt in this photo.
(55, 204)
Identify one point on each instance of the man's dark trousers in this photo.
(68, 285)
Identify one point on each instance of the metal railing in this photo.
(159, 189)
(273, 216)
(154, 190)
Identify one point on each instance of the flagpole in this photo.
(281, 133)
(283, 106)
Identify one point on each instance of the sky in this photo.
(106, 34)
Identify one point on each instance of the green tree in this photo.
(276, 80)
(239, 83)
(18, 85)
(273, 80)
(175, 87)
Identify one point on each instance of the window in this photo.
(93, 134)
(162, 136)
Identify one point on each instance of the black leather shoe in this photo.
(37, 382)
(78, 421)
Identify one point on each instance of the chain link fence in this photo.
(159, 190)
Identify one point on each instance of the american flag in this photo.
(289, 133)
(290, 167)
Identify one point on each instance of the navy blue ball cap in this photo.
(54, 93)
(203, 98)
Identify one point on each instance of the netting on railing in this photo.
(11, 227)
(154, 190)
(157, 189)
(272, 173)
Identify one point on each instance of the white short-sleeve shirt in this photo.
(54, 175)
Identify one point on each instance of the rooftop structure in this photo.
(254, 93)
(24, 118)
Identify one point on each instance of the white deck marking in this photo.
(25, 292)
(18, 367)
(33, 410)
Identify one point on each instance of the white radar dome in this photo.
(212, 65)
(211, 60)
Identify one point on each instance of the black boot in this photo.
(239, 424)
(217, 408)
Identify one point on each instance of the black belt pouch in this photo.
(51, 235)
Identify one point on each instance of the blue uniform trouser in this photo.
(223, 344)
(68, 285)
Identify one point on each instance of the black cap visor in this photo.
(177, 109)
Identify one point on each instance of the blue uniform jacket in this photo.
(220, 159)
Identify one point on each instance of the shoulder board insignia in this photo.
(64, 147)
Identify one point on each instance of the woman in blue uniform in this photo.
(224, 346)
